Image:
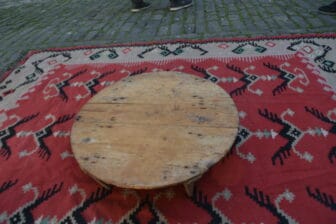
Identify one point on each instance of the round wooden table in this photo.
(154, 130)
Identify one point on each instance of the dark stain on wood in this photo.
(85, 158)
(176, 108)
(105, 126)
(119, 98)
(86, 140)
(201, 119)
(127, 80)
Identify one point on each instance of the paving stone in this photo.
(214, 27)
(163, 31)
(189, 28)
(91, 35)
(300, 21)
(176, 28)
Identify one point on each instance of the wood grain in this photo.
(154, 130)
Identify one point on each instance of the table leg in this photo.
(189, 185)
(106, 186)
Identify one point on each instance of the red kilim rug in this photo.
(281, 169)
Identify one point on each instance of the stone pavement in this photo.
(38, 24)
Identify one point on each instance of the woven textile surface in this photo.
(281, 168)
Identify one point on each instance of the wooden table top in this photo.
(154, 130)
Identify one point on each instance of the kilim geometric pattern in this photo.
(281, 168)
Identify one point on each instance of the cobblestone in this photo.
(38, 24)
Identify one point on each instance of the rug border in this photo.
(168, 41)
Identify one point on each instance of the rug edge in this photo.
(22, 60)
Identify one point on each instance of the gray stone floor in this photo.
(40, 24)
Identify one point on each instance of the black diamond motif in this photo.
(244, 133)
(291, 76)
(15, 219)
(253, 77)
(295, 132)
